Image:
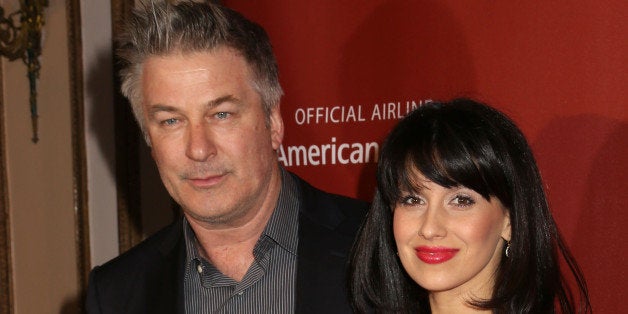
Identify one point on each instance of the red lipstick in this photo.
(435, 254)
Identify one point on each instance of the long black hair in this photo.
(465, 143)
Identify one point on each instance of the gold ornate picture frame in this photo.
(79, 158)
(6, 283)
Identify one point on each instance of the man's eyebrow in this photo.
(159, 108)
(211, 104)
(227, 98)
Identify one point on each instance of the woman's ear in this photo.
(506, 230)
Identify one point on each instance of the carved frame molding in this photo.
(79, 158)
(6, 275)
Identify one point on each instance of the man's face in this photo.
(209, 135)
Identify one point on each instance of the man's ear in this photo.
(147, 138)
(276, 127)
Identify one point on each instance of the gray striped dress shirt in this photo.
(269, 284)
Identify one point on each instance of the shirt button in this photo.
(199, 268)
(241, 293)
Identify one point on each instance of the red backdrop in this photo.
(558, 68)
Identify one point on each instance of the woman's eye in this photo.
(463, 201)
(222, 115)
(410, 200)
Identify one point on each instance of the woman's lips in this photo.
(435, 255)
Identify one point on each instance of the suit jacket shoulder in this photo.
(336, 212)
(143, 279)
(328, 224)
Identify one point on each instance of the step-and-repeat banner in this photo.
(351, 69)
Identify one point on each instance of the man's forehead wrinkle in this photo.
(191, 71)
(197, 73)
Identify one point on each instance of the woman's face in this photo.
(450, 239)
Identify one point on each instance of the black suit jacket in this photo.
(149, 277)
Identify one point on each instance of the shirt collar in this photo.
(282, 226)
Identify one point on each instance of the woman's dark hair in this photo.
(465, 143)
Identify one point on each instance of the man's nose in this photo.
(200, 143)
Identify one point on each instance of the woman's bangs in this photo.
(448, 160)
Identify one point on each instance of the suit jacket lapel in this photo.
(164, 286)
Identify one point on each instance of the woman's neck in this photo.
(455, 302)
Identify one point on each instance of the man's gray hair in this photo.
(160, 28)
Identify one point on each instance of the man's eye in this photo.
(463, 201)
(170, 121)
(222, 115)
